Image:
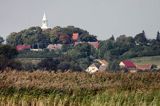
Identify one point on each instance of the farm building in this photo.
(128, 65)
(92, 69)
(103, 64)
(98, 65)
(145, 67)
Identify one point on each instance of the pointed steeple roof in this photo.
(44, 16)
(44, 22)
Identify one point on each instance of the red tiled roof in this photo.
(129, 64)
(75, 36)
(144, 67)
(22, 47)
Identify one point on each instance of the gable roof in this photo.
(144, 67)
(129, 64)
(22, 47)
(92, 65)
(102, 61)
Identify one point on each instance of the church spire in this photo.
(44, 22)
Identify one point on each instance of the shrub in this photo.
(8, 51)
(64, 66)
(29, 67)
(3, 62)
(49, 64)
(114, 65)
(15, 65)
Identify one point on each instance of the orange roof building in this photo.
(75, 36)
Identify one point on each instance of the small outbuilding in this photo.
(98, 65)
(92, 69)
(128, 65)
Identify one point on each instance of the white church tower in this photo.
(44, 22)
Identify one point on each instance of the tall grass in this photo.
(123, 98)
(42, 88)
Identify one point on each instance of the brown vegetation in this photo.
(74, 80)
(42, 88)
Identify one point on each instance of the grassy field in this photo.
(147, 60)
(29, 60)
(41, 88)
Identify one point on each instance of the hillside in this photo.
(147, 60)
(76, 49)
(35, 36)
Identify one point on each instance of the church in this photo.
(44, 22)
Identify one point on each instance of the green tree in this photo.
(1, 40)
(158, 36)
(124, 41)
(114, 65)
(112, 38)
(64, 66)
(49, 64)
(85, 50)
(3, 62)
(141, 38)
(14, 39)
(88, 38)
(31, 36)
(8, 51)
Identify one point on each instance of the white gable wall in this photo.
(91, 69)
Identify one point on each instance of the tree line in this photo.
(57, 35)
(81, 56)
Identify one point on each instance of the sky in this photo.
(102, 18)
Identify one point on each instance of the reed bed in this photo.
(42, 88)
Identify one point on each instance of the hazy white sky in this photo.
(100, 17)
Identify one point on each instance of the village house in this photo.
(104, 64)
(51, 47)
(145, 67)
(128, 65)
(98, 65)
(23, 47)
(92, 69)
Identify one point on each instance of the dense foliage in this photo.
(35, 36)
(81, 56)
(128, 47)
(7, 53)
(1, 40)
